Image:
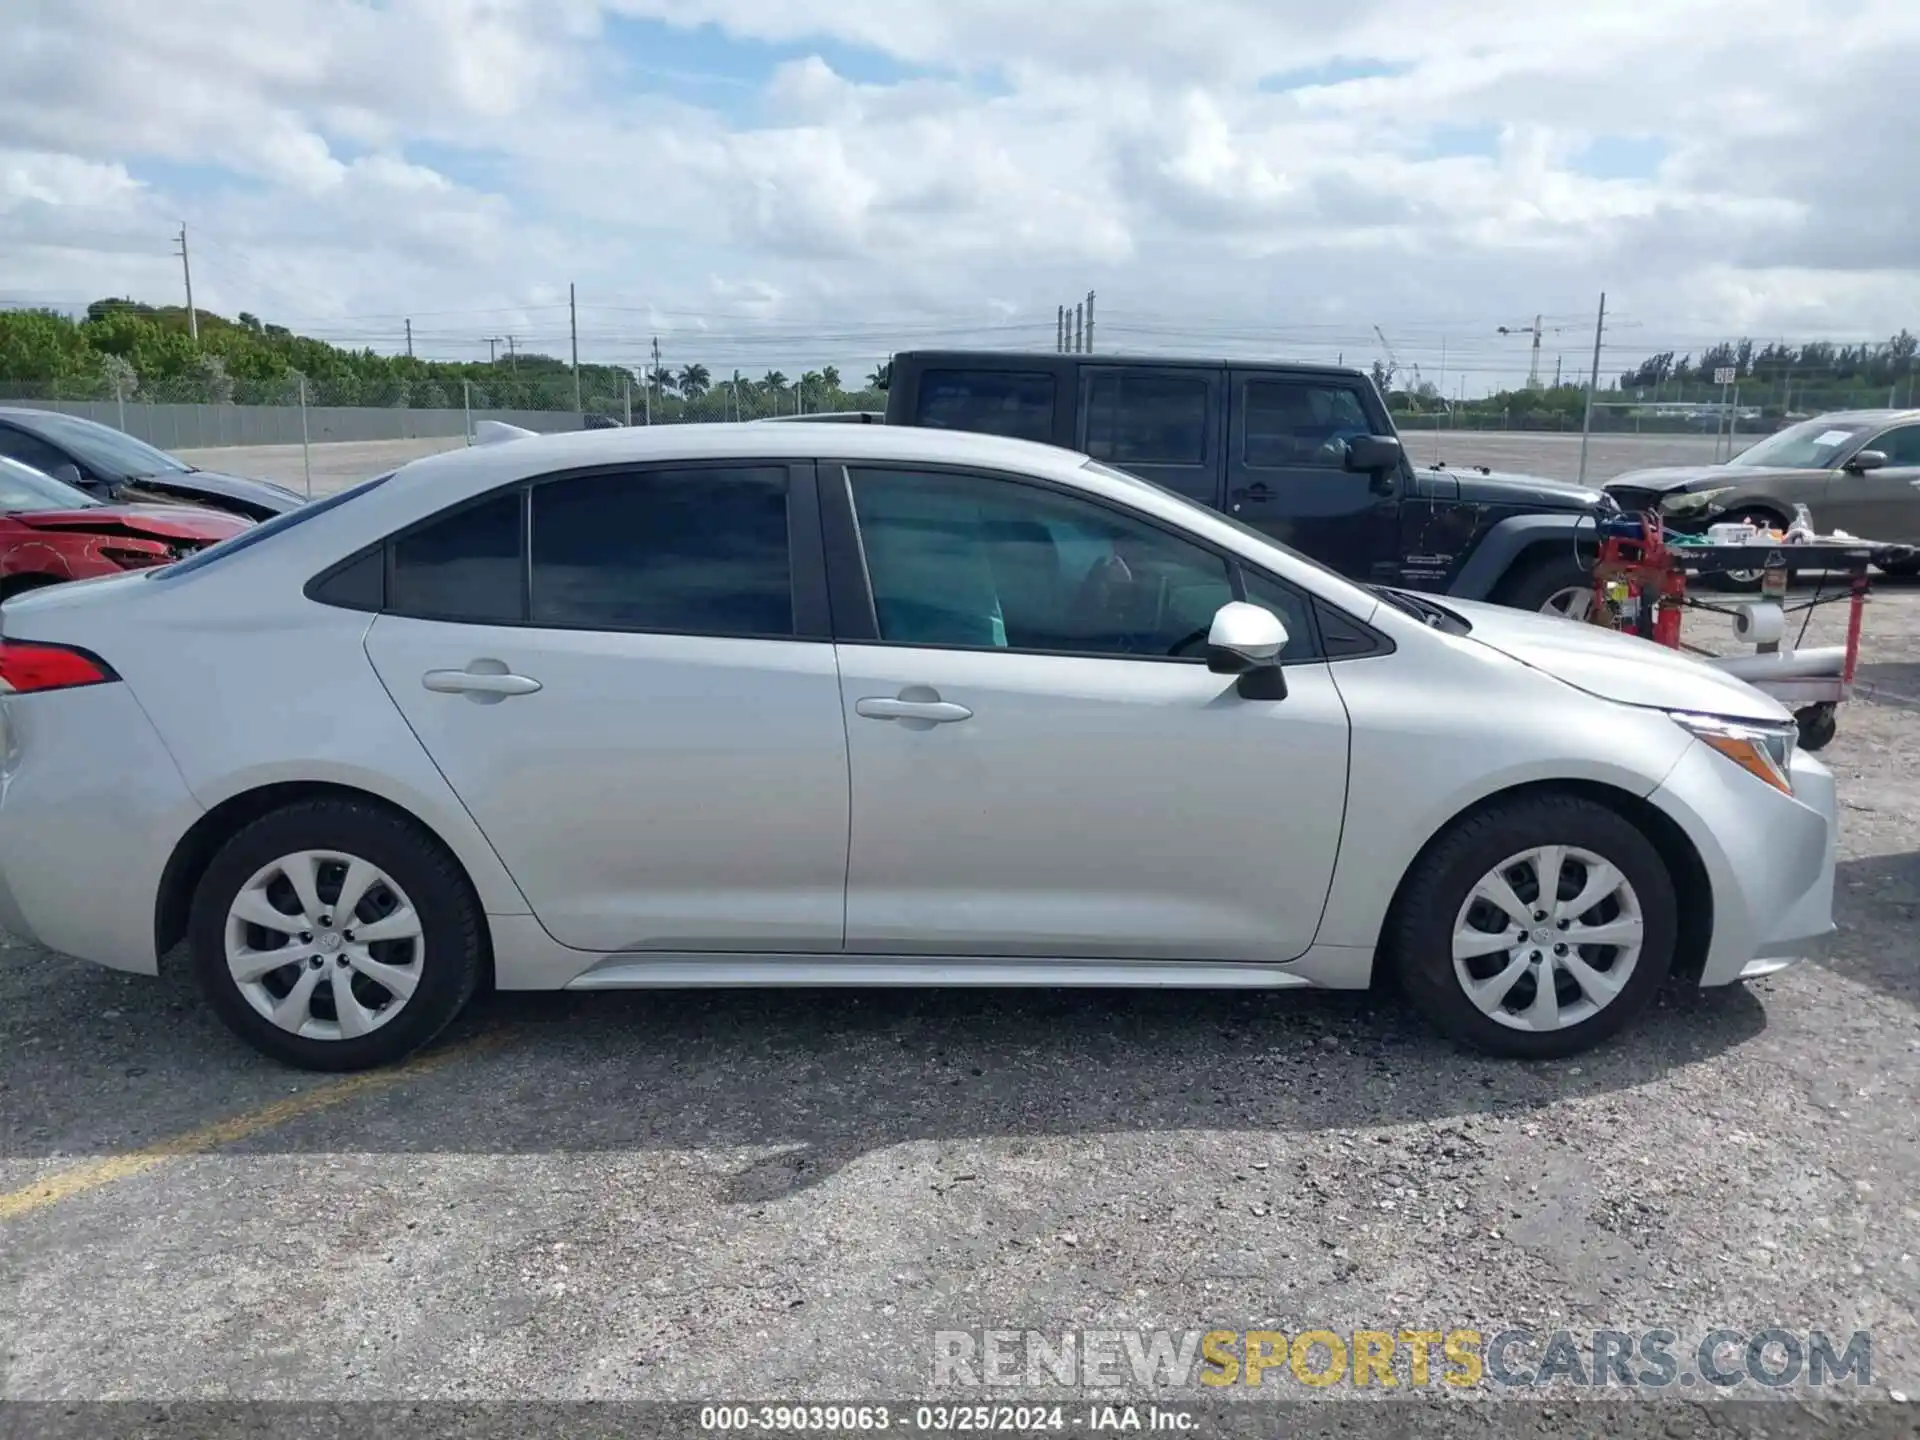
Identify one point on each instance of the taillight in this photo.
(26, 667)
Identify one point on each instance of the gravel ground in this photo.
(662, 1196)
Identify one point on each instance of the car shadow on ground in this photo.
(817, 1078)
(1877, 899)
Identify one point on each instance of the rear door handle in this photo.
(480, 681)
(1256, 491)
(934, 712)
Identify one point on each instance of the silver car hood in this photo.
(1614, 666)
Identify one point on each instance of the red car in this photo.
(50, 532)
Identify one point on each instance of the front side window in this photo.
(110, 452)
(1296, 422)
(24, 489)
(1901, 446)
(464, 566)
(1146, 419)
(691, 552)
(986, 563)
(30, 450)
(1016, 404)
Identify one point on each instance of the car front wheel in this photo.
(335, 935)
(1537, 928)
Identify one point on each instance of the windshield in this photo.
(1811, 445)
(111, 453)
(23, 488)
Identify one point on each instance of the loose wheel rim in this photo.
(325, 945)
(1548, 938)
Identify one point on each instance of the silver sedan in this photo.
(853, 705)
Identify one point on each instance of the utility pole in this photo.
(1593, 383)
(186, 269)
(1089, 345)
(1060, 329)
(573, 329)
(653, 375)
(1079, 328)
(493, 340)
(513, 360)
(409, 339)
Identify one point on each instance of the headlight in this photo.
(1762, 750)
(1696, 500)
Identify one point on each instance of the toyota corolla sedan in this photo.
(850, 705)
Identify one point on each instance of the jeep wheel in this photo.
(1558, 583)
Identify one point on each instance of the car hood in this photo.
(1678, 479)
(1504, 487)
(1622, 668)
(214, 486)
(159, 522)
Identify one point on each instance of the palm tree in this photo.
(775, 383)
(661, 379)
(830, 378)
(695, 381)
(880, 376)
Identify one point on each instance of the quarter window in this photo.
(1146, 419)
(691, 552)
(980, 563)
(465, 566)
(1017, 404)
(1301, 423)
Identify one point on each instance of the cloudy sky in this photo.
(792, 182)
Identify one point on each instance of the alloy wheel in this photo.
(324, 945)
(1548, 938)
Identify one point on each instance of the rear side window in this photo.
(467, 565)
(688, 552)
(1017, 404)
(1136, 419)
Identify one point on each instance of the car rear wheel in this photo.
(1536, 929)
(334, 935)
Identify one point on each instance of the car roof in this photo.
(521, 458)
(1010, 358)
(1864, 417)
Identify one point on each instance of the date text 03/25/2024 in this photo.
(1083, 1419)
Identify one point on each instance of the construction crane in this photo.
(1393, 360)
(1536, 330)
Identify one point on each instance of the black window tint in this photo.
(963, 560)
(1901, 447)
(464, 566)
(30, 450)
(1291, 607)
(1301, 422)
(693, 552)
(1136, 419)
(358, 585)
(990, 402)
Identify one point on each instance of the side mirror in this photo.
(1864, 460)
(1373, 454)
(69, 473)
(1246, 640)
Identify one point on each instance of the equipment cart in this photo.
(1640, 586)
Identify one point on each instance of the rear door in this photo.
(1164, 424)
(627, 678)
(1286, 469)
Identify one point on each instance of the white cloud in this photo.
(1235, 173)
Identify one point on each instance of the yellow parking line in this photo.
(111, 1169)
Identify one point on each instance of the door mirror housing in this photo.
(1374, 454)
(1246, 640)
(69, 473)
(1866, 460)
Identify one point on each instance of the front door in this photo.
(1882, 504)
(1042, 763)
(1287, 475)
(634, 714)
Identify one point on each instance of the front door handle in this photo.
(487, 681)
(1256, 491)
(932, 712)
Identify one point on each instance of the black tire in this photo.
(452, 955)
(1818, 725)
(1901, 569)
(1537, 580)
(1420, 934)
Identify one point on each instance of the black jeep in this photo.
(1305, 453)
